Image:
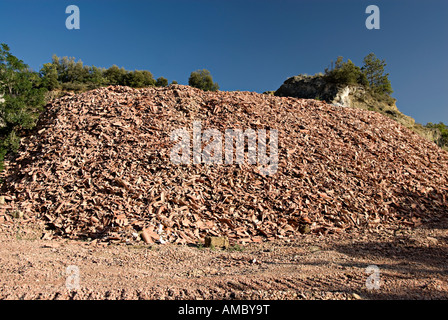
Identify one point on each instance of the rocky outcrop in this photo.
(308, 87)
(316, 87)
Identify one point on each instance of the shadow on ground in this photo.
(412, 266)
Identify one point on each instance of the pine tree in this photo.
(374, 70)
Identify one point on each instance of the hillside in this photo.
(98, 166)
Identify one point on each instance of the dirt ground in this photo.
(412, 264)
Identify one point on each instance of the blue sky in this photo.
(248, 45)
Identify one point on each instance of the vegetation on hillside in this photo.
(345, 73)
(161, 82)
(371, 75)
(202, 79)
(67, 74)
(443, 129)
(374, 71)
(21, 99)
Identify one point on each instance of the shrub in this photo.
(345, 73)
(115, 75)
(161, 82)
(202, 79)
(139, 79)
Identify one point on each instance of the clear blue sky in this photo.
(250, 45)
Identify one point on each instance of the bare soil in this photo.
(412, 265)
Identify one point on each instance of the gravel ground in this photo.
(412, 264)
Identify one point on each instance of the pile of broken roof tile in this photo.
(98, 166)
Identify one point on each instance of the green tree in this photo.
(72, 75)
(66, 67)
(378, 80)
(22, 99)
(148, 79)
(49, 75)
(174, 82)
(161, 82)
(80, 73)
(345, 73)
(139, 79)
(202, 79)
(95, 77)
(115, 75)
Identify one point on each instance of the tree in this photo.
(70, 73)
(202, 79)
(49, 75)
(66, 67)
(139, 79)
(80, 74)
(115, 75)
(345, 73)
(174, 82)
(148, 79)
(22, 99)
(161, 82)
(373, 69)
(95, 77)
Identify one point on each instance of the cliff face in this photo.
(315, 87)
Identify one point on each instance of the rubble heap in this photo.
(98, 166)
